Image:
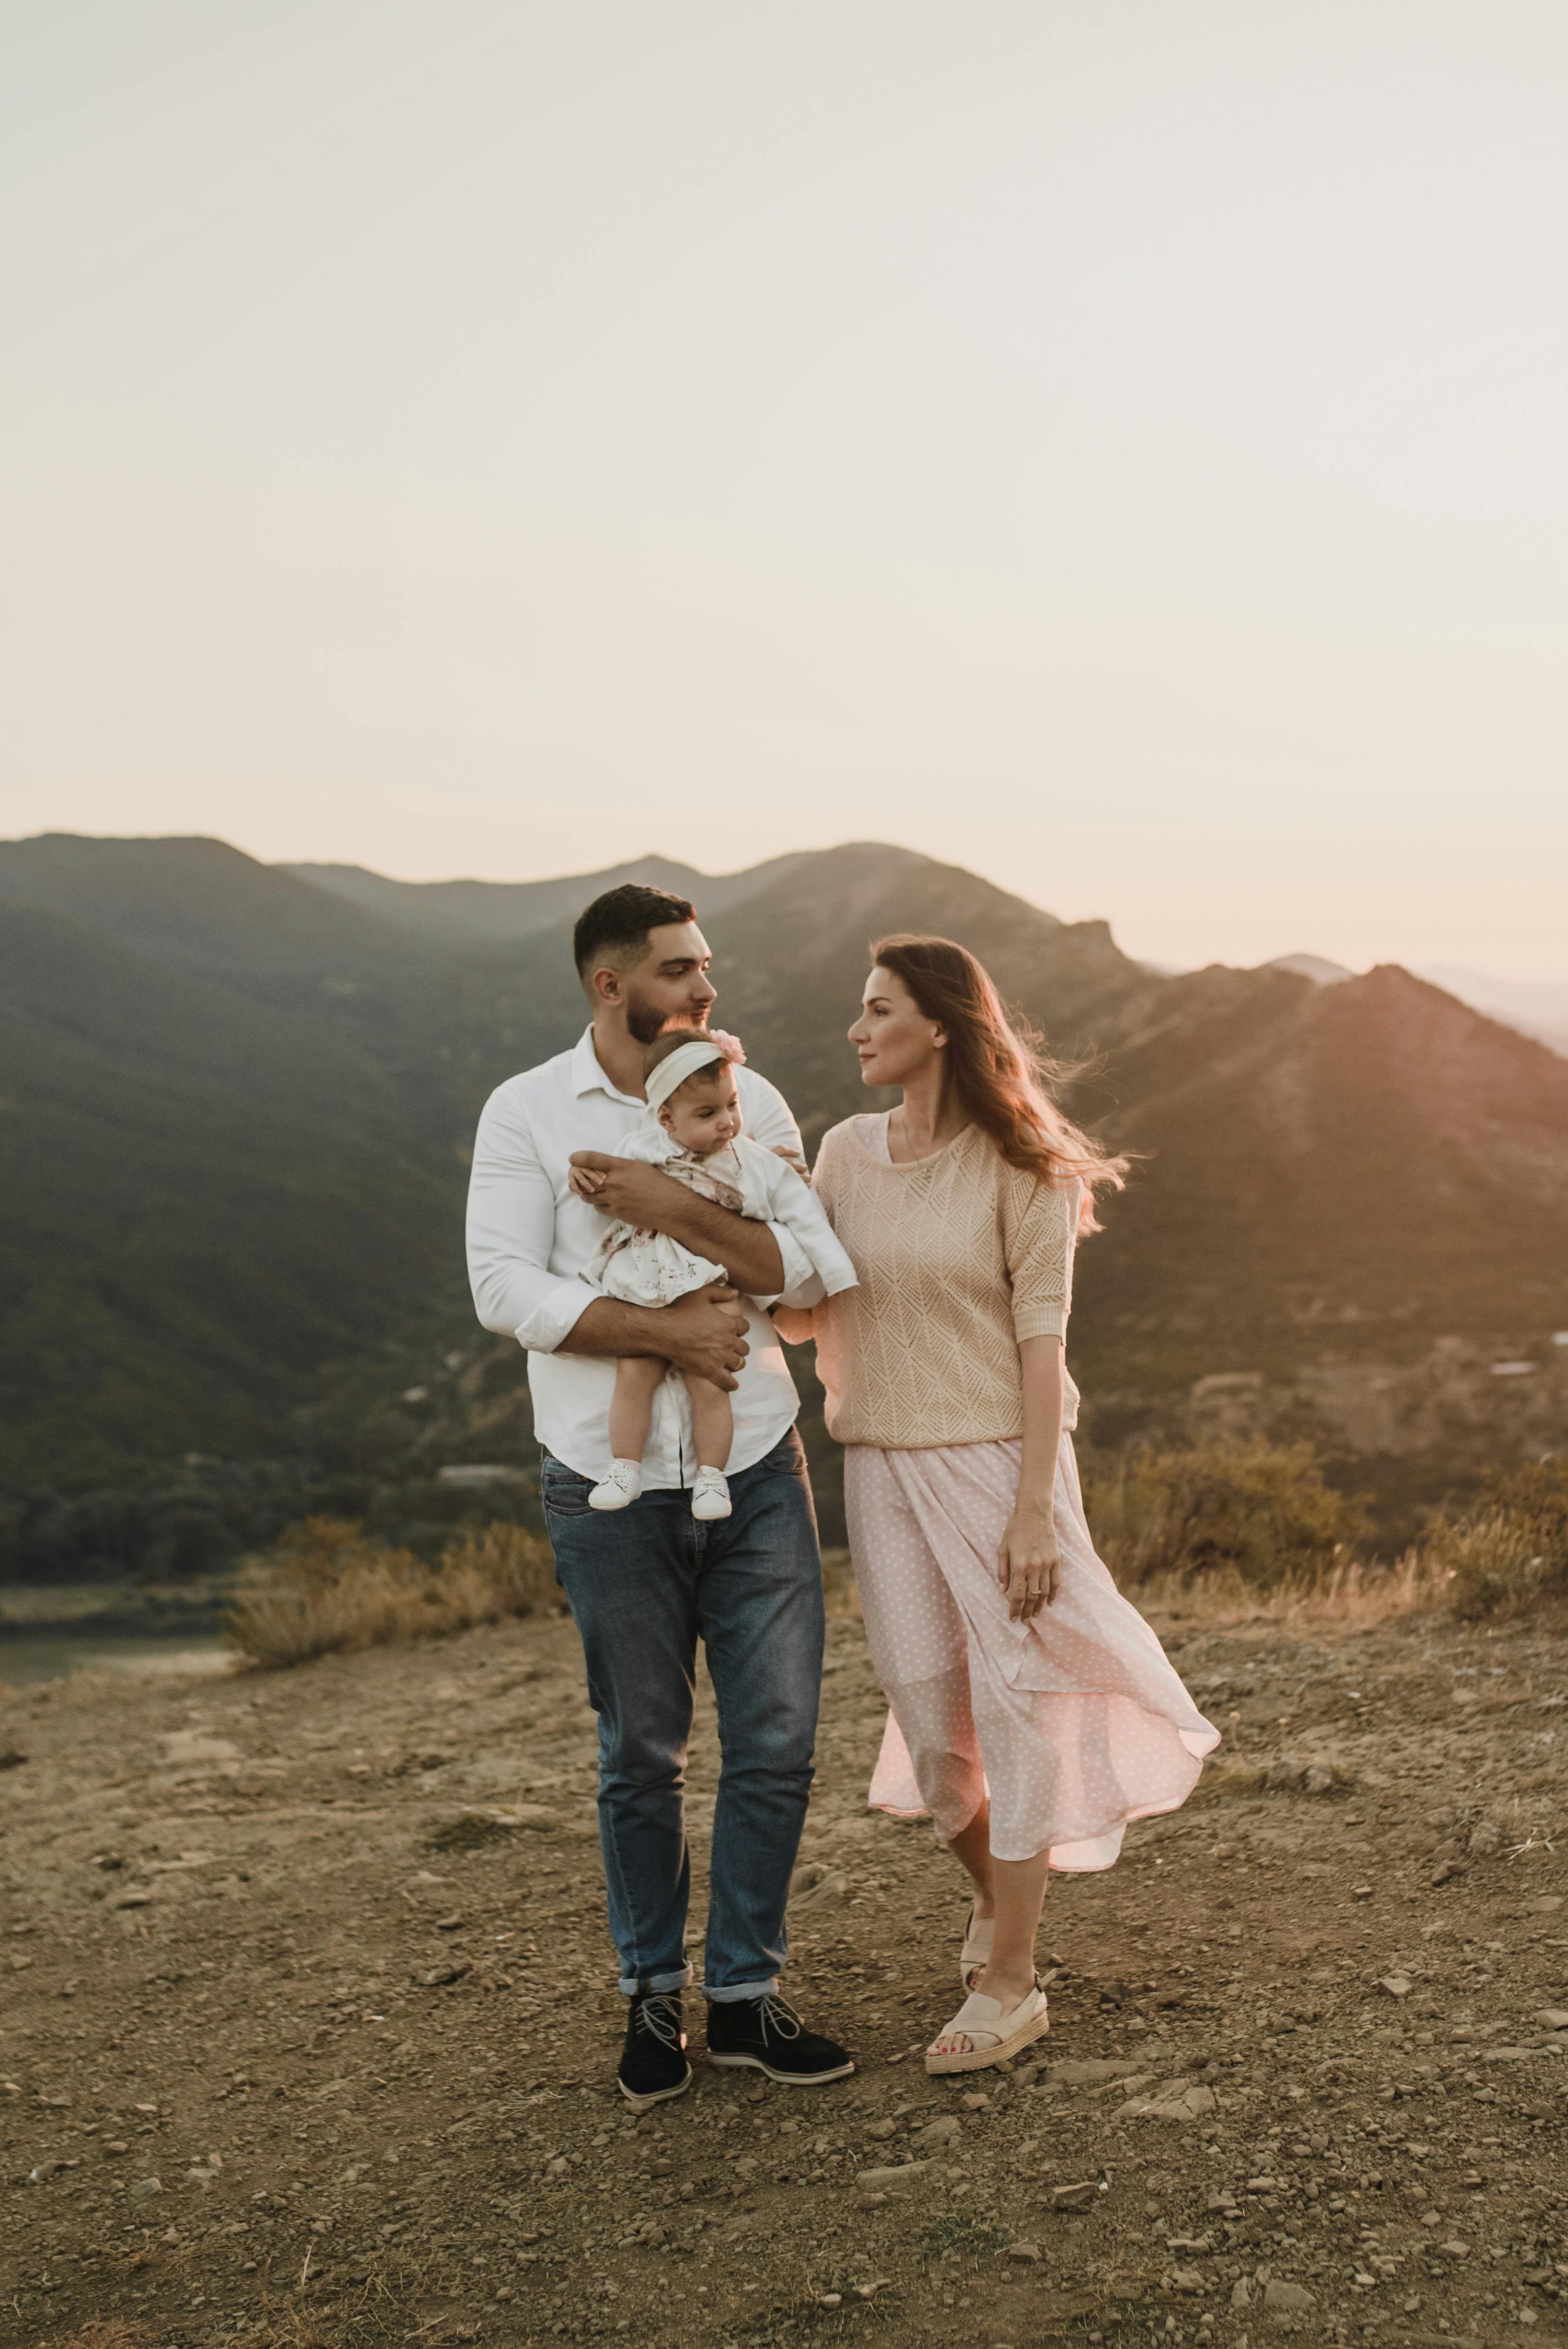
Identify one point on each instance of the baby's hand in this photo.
(586, 1182)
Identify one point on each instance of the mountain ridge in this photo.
(236, 1112)
(498, 912)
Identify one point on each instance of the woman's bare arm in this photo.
(1028, 1561)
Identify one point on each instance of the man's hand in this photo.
(1029, 1561)
(705, 1333)
(626, 1188)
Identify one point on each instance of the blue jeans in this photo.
(644, 1585)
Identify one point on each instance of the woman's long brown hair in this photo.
(999, 1077)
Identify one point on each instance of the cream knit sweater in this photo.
(959, 1257)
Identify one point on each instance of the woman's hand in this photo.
(1029, 1561)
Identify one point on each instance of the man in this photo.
(646, 1583)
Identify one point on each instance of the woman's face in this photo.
(896, 1041)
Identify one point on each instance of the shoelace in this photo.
(776, 2017)
(661, 2017)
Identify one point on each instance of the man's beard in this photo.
(644, 1025)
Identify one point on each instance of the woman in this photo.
(1032, 1711)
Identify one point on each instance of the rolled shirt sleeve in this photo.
(554, 1317)
(511, 1233)
(770, 1123)
(803, 1284)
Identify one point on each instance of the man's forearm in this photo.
(654, 1201)
(609, 1327)
(747, 1248)
(703, 1334)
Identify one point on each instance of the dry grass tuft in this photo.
(326, 1585)
(1252, 1532)
(1508, 1550)
(291, 2327)
(1258, 1512)
(838, 1586)
(1349, 1593)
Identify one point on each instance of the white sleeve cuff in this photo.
(554, 1317)
(802, 1281)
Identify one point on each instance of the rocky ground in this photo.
(308, 2032)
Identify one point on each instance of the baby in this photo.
(693, 1132)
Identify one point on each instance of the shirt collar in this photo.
(588, 1076)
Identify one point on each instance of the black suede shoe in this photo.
(767, 2036)
(653, 2064)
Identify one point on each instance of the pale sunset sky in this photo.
(1120, 448)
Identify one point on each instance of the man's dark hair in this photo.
(620, 920)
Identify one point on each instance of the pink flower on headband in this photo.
(728, 1045)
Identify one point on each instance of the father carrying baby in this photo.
(695, 1131)
(559, 1150)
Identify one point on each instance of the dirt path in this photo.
(300, 2044)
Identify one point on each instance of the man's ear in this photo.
(604, 986)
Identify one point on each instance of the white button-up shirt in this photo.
(529, 1239)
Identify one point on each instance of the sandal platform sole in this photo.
(980, 2059)
(784, 2079)
(641, 2103)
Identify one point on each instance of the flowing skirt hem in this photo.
(1082, 1855)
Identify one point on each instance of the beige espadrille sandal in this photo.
(992, 2036)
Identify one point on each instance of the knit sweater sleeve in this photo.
(1039, 1223)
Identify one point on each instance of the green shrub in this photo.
(1258, 1510)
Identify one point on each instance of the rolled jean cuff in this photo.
(732, 1994)
(650, 1985)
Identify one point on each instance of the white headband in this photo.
(700, 1053)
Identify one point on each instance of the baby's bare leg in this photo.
(638, 1378)
(713, 1421)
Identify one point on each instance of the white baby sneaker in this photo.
(620, 1488)
(711, 1493)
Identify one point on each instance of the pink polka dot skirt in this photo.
(1073, 1723)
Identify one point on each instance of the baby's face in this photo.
(704, 1114)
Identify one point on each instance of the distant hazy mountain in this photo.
(196, 901)
(470, 913)
(235, 1106)
(228, 1148)
(1318, 967)
(1537, 1007)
